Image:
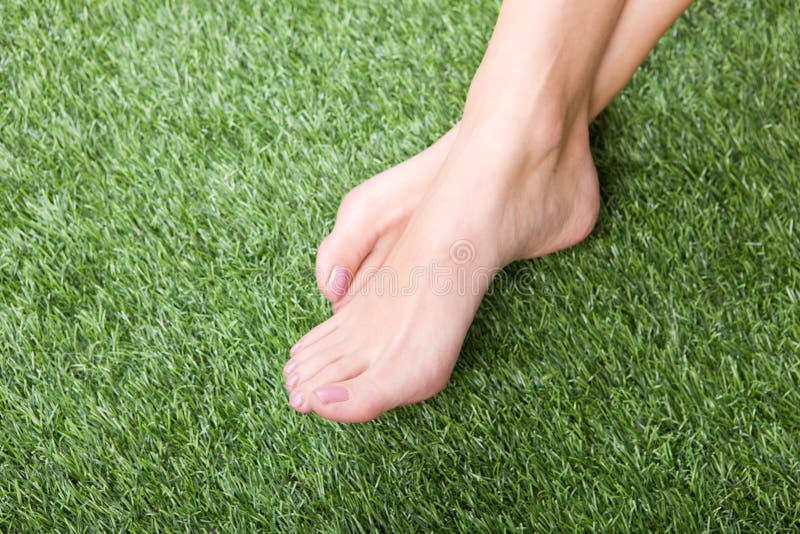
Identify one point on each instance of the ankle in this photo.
(525, 141)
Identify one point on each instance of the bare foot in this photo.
(373, 216)
(395, 346)
(517, 182)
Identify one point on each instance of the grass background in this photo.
(167, 170)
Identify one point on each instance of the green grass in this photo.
(167, 170)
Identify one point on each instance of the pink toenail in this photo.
(296, 400)
(294, 348)
(329, 394)
(289, 367)
(292, 382)
(338, 281)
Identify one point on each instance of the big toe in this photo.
(350, 401)
(340, 255)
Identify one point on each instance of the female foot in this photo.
(398, 346)
(518, 182)
(373, 216)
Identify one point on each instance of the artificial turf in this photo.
(167, 171)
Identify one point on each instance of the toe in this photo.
(317, 348)
(349, 401)
(297, 400)
(337, 370)
(311, 364)
(341, 253)
(316, 334)
(370, 267)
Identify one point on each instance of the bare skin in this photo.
(374, 214)
(517, 181)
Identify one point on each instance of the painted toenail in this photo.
(294, 348)
(296, 400)
(329, 394)
(339, 281)
(289, 367)
(292, 382)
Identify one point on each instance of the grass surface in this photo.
(167, 170)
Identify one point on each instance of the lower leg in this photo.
(540, 65)
(640, 26)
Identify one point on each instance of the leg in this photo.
(518, 182)
(373, 215)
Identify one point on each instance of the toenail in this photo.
(329, 394)
(289, 367)
(292, 382)
(338, 281)
(294, 348)
(296, 400)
